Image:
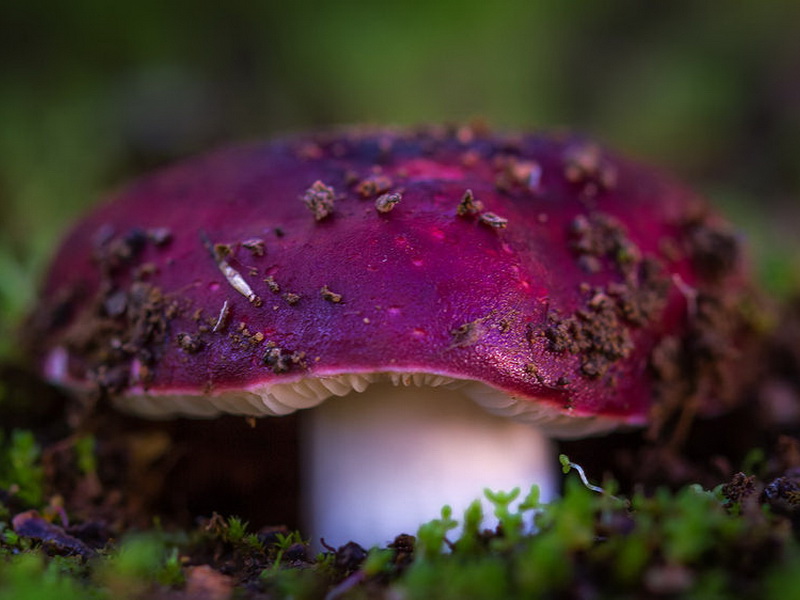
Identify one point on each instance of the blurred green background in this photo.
(92, 93)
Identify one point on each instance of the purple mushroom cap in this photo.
(260, 279)
(542, 266)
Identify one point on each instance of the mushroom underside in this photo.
(383, 452)
(279, 399)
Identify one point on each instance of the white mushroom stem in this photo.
(382, 462)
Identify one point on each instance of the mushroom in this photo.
(444, 300)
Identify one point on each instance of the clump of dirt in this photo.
(600, 240)
(320, 200)
(595, 332)
(722, 348)
(763, 416)
(129, 316)
(601, 331)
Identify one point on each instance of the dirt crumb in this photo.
(493, 220)
(584, 164)
(291, 298)
(715, 251)
(189, 343)
(256, 246)
(386, 202)
(273, 285)
(468, 334)
(280, 360)
(595, 332)
(515, 173)
(373, 185)
(319, 198)
(599, 239)
(469, 205)
(330, 295)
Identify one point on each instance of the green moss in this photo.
(20, 469)
(454, 579)
(686, 544)
(142, 563)
(295, 583)
(85, 452)
(783, 580)
(235, 530)
(30, 576)
(690, 543)
(378, 561)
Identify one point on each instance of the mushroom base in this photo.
(381, 462)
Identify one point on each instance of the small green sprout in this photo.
(432, 536)
(567, 466)
(286, 541)
(251, 541)
(85, 452)
(511, 522)
(532, 501)
(235, 530)
(282, 544)
(378, 561)
(171, 572)
(754, 461)
(325, 564)
(10, 537)
(469, 542)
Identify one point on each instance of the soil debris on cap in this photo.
(319, 198)
(116, 303)
(715, 251)
(515, 173)
(189, 343)
(643, 296)
(386, 202)
(584, 163)
(373, 185)
(281, 360)
(291, 298)
(255, 245)
(113, 253)
(600, 236)
(469, 206)
(329, 295)
(600, 331)
(595, 333)
(468, 334)
(273, 285)
(160, 236)
(493, 220)
(108, 345)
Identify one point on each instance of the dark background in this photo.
(93, 93)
